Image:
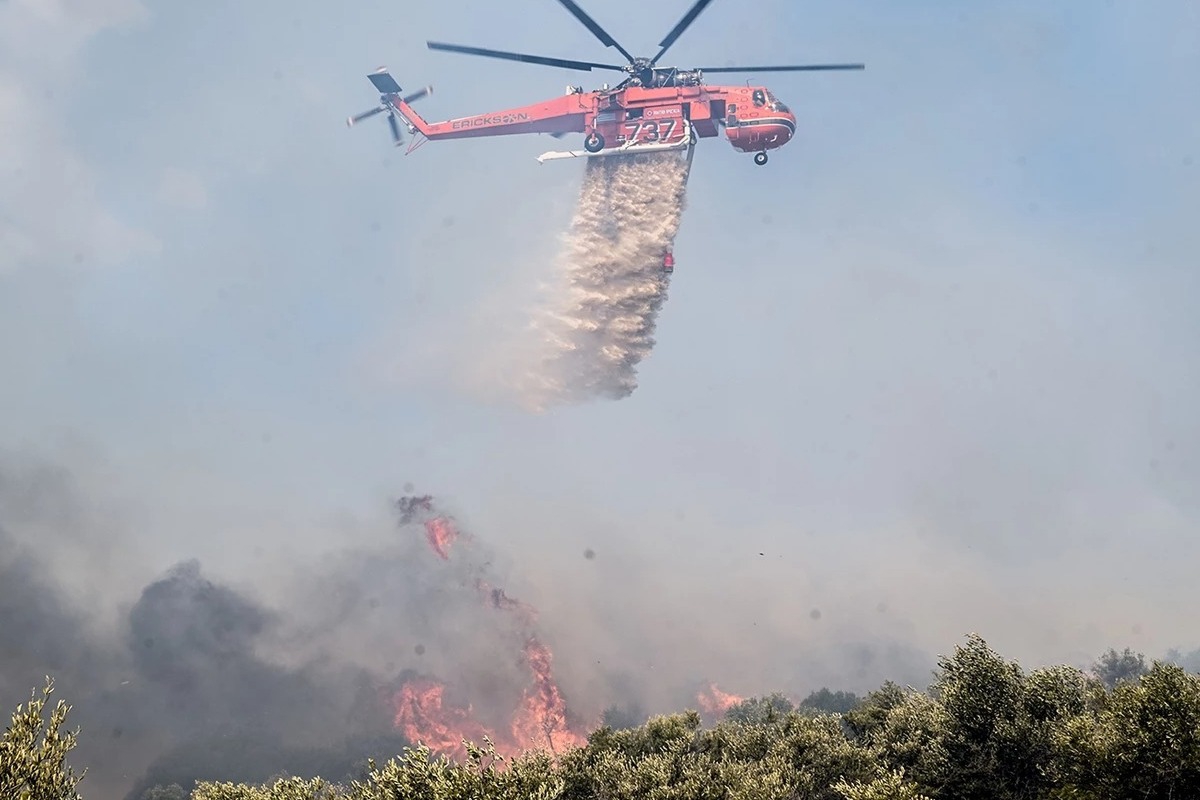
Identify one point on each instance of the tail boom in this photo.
(566, 114)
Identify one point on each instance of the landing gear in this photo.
(594, 143)
(760, 158)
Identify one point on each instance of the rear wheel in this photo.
(760, 158)
(594, 143)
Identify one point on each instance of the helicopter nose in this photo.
(787, 126)
(779, 130)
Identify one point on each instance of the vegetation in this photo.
(985, 729)
(33, 752)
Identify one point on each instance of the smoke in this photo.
(199, 679)
(302, 667)
(189, 691)
(599, 320)
(298, 671)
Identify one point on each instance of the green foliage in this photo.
(830, 702)
(1189, 661)
(246, 757)
(889, 786)
(629, 716)
(990, 742)
(1113, 667)
(1145, 741)
(870, 716)
(281, 789)
(912, 738)
(33, 752)
(171, 791)
(760, 710)
(417, 774)
(787, 756)
(986, 730)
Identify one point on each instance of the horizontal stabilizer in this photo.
(384, 82)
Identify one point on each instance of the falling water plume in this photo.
(600, 321)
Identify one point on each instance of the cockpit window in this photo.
(760, 97)
(776, 104)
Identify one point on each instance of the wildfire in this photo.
(539, 721)
(421, 715)
(715, 702)
(441, 533)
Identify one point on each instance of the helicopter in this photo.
(653, 108)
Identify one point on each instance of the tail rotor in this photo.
(388, 98)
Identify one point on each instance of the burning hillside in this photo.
(539, 719)
(715, 702)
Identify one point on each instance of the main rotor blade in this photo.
(596, 30)
(586, 66)
(785, 68)
(682, 26)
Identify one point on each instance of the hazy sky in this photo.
(937, 361)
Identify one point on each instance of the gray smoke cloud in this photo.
(598, 323)
(296, 668)
(199, 678)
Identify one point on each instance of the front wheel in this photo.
(760, 158)
(594, 143)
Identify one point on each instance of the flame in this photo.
(441, 533)
(539, 721)
(421, 715)
(715, 702)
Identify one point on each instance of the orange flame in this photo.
(441, 533)
(541, 720)
(422, 717)
(715, 702)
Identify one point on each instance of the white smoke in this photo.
(599, 319)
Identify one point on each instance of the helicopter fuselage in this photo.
(753, 120)
(652, 108)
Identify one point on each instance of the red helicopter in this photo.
(652, 108)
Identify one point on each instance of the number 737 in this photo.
(651, 131)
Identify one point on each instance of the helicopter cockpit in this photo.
(763, 98)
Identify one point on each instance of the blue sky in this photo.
(939, 354)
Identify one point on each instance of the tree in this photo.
(911, 738)
(627, 716)
(171, 791)
(281, 789)
(870, 716)
(986, 730)
(1189, 661)
(829, 702)
(989, 742)
(1113, 667)
(1145, 742)
(760, 710)
(33, 752)
(889, 786)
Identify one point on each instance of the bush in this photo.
(33, 752)
(986, 730)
